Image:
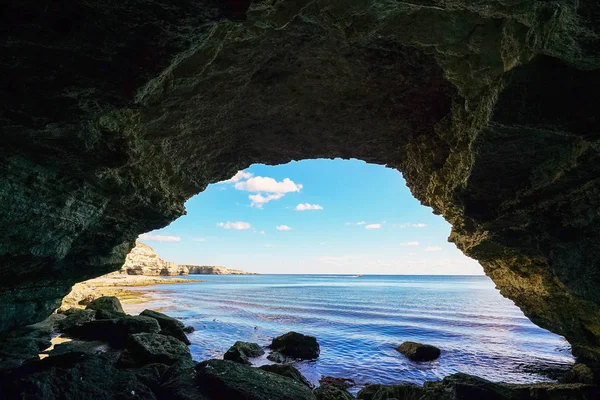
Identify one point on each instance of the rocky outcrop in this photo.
(143, 260)
(491, 117)
(214, 270)
(287, 370)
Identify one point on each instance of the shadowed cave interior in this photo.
(113, 115)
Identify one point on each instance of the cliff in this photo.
(143, 260)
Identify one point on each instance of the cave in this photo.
(113, 115)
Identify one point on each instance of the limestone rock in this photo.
(106, 303)
(214, 270)
(419, 352)
(287, 370)
(241, 351)
(223, 380)
(143, 260)
(296, 345)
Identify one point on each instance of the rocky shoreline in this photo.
(102, 353)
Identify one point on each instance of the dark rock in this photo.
(75, 318)
(106, 303)
(169, 326)
(226, 380)
(580, 373)
(289, 371)
(151, 375)
(296, 345)
(332, 392)
(147, 348)
(104, 314)
(388, 392)
(21, 345)
(418, 352)
(189, 329)
(344, 383)
(241, 351)
(179, 382)
(116, 331)
(276, 357)
(72, 376)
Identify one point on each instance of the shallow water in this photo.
(359, 320)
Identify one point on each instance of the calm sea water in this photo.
(359, 320)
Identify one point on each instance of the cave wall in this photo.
(113, 115)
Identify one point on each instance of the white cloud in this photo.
(418, 225)
(199, 239)
(283, 228)
(234, 225)
(409, 244)
(269, 185)
(433, 248)
(262, 232)
(240, 175)
(159, 238)
(373, 226)
(307, 207)
(259, 200)
(361, 223)
(409, 225)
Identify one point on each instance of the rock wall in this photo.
(143, 260)
(113, 114)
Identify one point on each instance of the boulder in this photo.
(116, 331)
(73, 376)
(388, 392)
(228, 380)
(168, 326)
(332, 392)
(146, 348)
(297, 345)
(418, 352)
(106, 303)
(241, 351)
(276, 357)
(104, 314)
(289, 371)
(179, 382)
(344, 383)
(580, 373)
(189, 329)
(75, 317)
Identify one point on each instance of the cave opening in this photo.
(345, 253)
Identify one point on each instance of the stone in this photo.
(241, 351)
(287, 370)
(147, 348)
(103, 148)
(75, 318)
(168, 326)
(419, 352)
(344, 383)
(106, 303)
(276, 357)
(580, 373)
(189, 329)
(224, 380)
(296, 345)
(179, 382)
(388, 392)
(332, 392)
(116, 331)
(103, 314)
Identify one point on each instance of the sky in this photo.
(310, 217)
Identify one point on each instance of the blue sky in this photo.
(312, 216)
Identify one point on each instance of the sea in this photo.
(359, 320)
